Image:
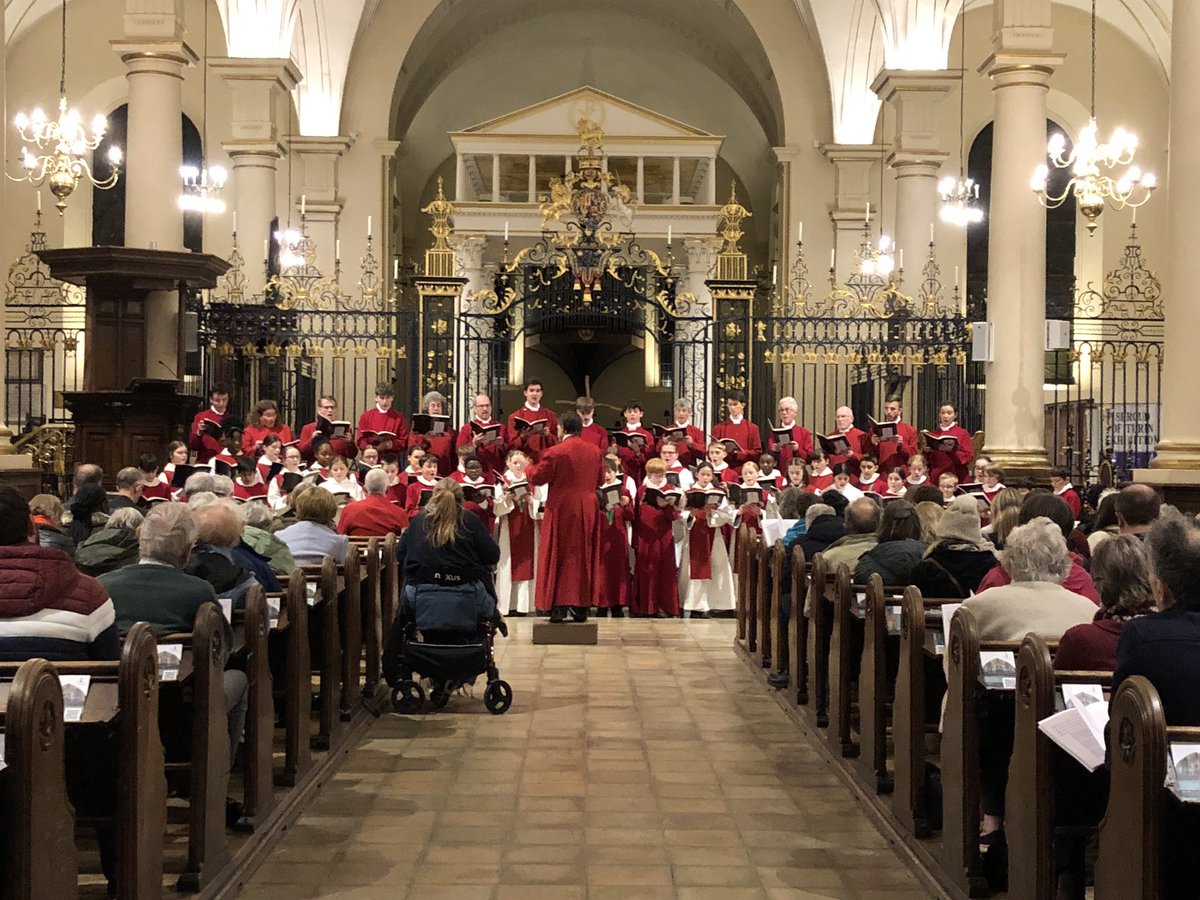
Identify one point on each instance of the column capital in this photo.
(155, 55)
(916, 96)
(788, 154)
(254, 153)
(892, 85)
(1010, 68)
(319, 158)
(852, 181)
(468, 249)
(839, 154)
(277, 73)
(386, 148)
(334, 145)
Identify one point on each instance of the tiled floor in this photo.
(653, 765)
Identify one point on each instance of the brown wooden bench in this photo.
(839, 662)
(742, 581)
(780, 650)
(820, 616)
(259, 755)
(875, 687)
(296, 689)
(797, 636)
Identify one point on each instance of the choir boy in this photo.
(749, 514)
(517, 513)
(635, 452)
(669, 453)
(918, 471)
(692, 446)
(327, 408)
(482, 434)
(656, 587)
(724, 472)
(277, 490)
(895, 484)
(382, 425)
(737, 427)
(206, 439)
(893, 453)
(954, 460)
(798, 443)
(705, 577)
(541, 425)
(248, 483)
(948, 485)
(1060, 483)
(612, 585)
(424, 482)
(416, 455)
(471, 475)
(397, 489)
(980, 466)
(766, 466)
(594, 433)
(993, 481)
(821, 477)
(868, 474)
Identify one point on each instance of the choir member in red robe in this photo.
(992, 481)
(1060, 483)
(593, 432)
(895, 484)
(737, 427)
(205, 441)
(706, 579)
(177, 455)
(248, 484)
(473, 476)
(656, 578)
(843, 418)
(439, 446)
(678, 474)
(797, 474)
(571, 472)
(262, 421)
(382, 417)
(327, 408)
(820, 477)
(374, 515)
(277, 494)
(717, 455)
(271, 454)
(426, 481)
(635, 452)
(517, 516)
(798, 444)
(490, 446)
(957, 461)
(893, 454)
(693, 448)
(541, 432)
(868, 475)
(918, 471)
(613, 586)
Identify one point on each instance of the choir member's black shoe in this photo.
(700, 614)
(558, 614)
(617, 612)
(661, 615)
(518, 615)
(579, 614)
(602, 613)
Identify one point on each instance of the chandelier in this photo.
(959, 195)
(875, 259)
(202, 185)
(1088, 161)
(54, 152)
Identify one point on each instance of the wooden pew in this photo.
(297, 689)
(392, 582)
(781, 651)
(372, 622)
(797, 636)
(839, 663)
(874, 686)
(1029, 820)
(1133, 834)
(820, 585)
(351, 622)
(259, 793)
(37, 823)
(753, 542)
(742, 581)
(762, 600)
(323, 619)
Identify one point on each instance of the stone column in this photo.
(852, 192)
(386, 217)
(472, 356)
(318, 187)
(260, 90)
(1020, 69)
(694, 354)
(8, 457)
(916, 155)
(155, 55)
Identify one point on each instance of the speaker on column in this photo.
(981, 342)
(191, 344)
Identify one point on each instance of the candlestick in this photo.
(832, 259)
(337, 252)
(235, 222)
(774, 275)
(506, 232)
(368, 226)
(668, 235)
(800, 234)
(931, 232)
(39, 193)
(303, 201)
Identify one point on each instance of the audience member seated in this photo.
(898, 546)
(1121, 573)
(860, 522)
(374, 515)
(256, 532)
(197, 483)
(823, 526)
(222, 486)
(112, 546)
(1105, 524)
(1039, 504)
(156, 590)
(1002, 516)
(87, 511)
(313, 538)
(1137, 508)
(47, 512)
(929, 514)
(47, 608)
(219, 530)
(804, 502)
(129, 490)
(86, 473)
(924, 493)
(959, 557)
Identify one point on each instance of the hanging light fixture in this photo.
(877, 259)
(1088, 160)
(960, 195)
(54, 152)
(202, 185)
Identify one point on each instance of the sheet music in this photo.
(1079, 731)
(75, 691)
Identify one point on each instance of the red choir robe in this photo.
(749, 515)
(746, 434)
(993, 493)
(612, 586)
(343, 447)
(693, 453)
(859, 443)
(912, 481)
(264, 468)
(226, 458)
(521, 532)
(483, 511)
(656, 578)
(633, 462)
(877, 485)
(596, 435)
(205, 445)
(533, 444)
(254, 435)
(819, 482)
(374, 420)
(1071, 497)
(887, 492)
(730, 475)
(490, 454)
(893, 454)
(784, 453)
(957, 462)
(572, 471)
(373, 516)
(412, 495)
(398, 492)
(700, 543)
(244, 491)
(160, 488)
(440, 446)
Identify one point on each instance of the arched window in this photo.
(108, 207)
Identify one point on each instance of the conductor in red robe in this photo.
(957, 460)
(573, 470)
(892, 454)
(533, 440)
(740, 429)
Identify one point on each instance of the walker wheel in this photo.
(408, 698)
(498, 697)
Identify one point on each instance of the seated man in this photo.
(47, 608)
(112, 546)
(257, 534)
(219, 531)
(374, 515)
(129, 490)
(158, 591)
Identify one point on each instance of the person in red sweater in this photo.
(956, 461)
(843, 418)
(1060, 483)
(439, 446)
(894, 453)
(799, 445)
(542, 431)
(470, 474)
(382, 418)
(206, 441)
(426, 481)
(263, 420)
(327, 408)
(491, 447)
(634, 455)
(737, 427)
(594, 434)
(693, 446)
(374, 515)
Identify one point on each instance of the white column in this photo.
(852, 192)
(318, 187)
(1014, 415)
(641, 180)
(532, 178)
(675, 181)
(259, 89)
(916, 153)
(710, 185)
(471, 373)
(1179, 444)
(693, 365)
(495, 179)
(386, 234)
(460, 178)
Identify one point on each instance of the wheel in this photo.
(439, 695)
(498, 697)
(408, 698)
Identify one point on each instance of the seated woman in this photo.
(313, 537)
(899, 547)
(959, 557)
(447, 557)
(47, 512)
(219, 532)
(112, 546)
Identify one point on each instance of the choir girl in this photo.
(516, 515)
(613, 584)
(656, 587)
(705, 576)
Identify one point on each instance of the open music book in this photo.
(1079, 731)
(943, 443)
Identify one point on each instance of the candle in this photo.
(931, 232)
(867, 220)
(39, 193)
(774, 275)
(668, 235)
(902, 259)
(956, 277)
(832, 259)
(506, 231)
(40, 208)
(266, 249)
(235, 223)
(303, 201)
(395, 270)
(368, 226)
(337, 252)
(800, 234)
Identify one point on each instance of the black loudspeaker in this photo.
(191, 332)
